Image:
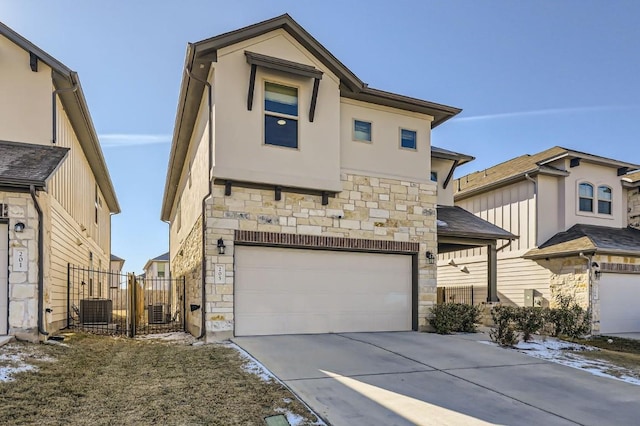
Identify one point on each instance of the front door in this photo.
(4, 278)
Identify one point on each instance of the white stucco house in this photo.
(300, 200)
(56, 196)
(577, 218)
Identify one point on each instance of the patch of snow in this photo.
(296, 420)
(174, 337)
(14, 358)
(441, 223)
(567, 353)
(252, 365)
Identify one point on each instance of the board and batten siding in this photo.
(512, 208)
(515, 274)
(73, 185)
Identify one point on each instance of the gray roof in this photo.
(454, 221)
(589, 239)
(77, 110)
(115, 258)
(445, 154)
(22, 164)
(163, 257)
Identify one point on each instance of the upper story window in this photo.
(434, 176)
(361, 131)
(280, 115)
(97, 204)
(604, 200)
(585, 197)
(408, 139)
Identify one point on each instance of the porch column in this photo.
(492, 273)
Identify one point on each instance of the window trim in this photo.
(400, 139)
(353, 131)
(610, 200)
(278, 114)
(592, 198)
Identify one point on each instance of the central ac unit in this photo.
(96, 311)
(158, 313)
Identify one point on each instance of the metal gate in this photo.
(108, 302)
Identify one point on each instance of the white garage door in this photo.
(619, 303)
(4, 279)
(290, 291)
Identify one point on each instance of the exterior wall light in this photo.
(19, 227)
(431, 259)
(221, 246)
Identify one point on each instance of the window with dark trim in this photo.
(280, 115)
(408, 139)
(604, 199)
(361, 131)
(585, 197)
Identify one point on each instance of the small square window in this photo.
(408, 139)
(361, 131)
(434, 176)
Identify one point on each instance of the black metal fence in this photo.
(108, 302)
(456, 294)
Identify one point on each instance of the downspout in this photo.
(535, 194)
(54, 108)
(32, 190)
(590, 281)
(203, 330)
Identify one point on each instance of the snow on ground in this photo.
(16, 358)
(567, 353)
(179, 337)
(253, 366)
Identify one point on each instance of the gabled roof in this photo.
(78, 112)
(23, 164)
(516, 169)
(589, 239)
(204, 52)
(445, 154)
(454, 221)
(115, 258)
(164, 257)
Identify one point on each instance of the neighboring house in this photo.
(300, 197)
(56, 197)
(157, 269)
(117, 280)
(571, 211)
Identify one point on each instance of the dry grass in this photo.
(119, 381)
(618, 351)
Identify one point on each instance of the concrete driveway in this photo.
(410, 378)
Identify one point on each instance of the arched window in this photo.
(604, 200)
(585, 197)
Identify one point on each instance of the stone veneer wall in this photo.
(23, 286)
(188, 263)
(367, 208)
(633, 216)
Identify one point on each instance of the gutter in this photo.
(32, 190)
(590, 280)
(203, 330)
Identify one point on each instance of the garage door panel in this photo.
(283, 291)
(619, 303)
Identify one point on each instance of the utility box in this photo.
(529, 296)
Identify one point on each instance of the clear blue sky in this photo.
(528, 74)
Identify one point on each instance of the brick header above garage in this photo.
(316, 241)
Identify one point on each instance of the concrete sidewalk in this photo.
(410, 378)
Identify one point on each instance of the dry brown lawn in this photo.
(101, 380)
(618, 351)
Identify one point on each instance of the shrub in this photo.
(448, 318)
(569, 319)
(529, 320)
(505, 320)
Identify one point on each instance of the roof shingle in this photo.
(454, 221)
(23, 164)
